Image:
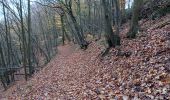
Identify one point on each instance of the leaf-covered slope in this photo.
(138, 69)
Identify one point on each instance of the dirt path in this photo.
(65, 77)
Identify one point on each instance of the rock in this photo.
(149, 90)
(136, 98)
(151, 96)
(101, 96)
(46, 94)
(164, 90)
(125, 97)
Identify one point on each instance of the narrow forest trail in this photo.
(137, 70)
(65, 77)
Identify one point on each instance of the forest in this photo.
(85, 49)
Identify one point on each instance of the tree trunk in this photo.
(4, 66)
(63, 31)
(82, 42)
(116, 15)
(7, 37)
(31, 68)
(134, 21)
(111, 38)
(23, 41)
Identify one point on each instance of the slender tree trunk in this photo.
(63, 31)
(134, 21)
(24, 41)
(44, 37)
(116, 15)
(4, 65)
(123, 12)
(100, 18)
(82, 42)
(89, 15)
(31, 68)
(55, 30)
(7, 36)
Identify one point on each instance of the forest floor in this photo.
(138, 69)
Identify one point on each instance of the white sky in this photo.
(131, 1)
(1, 15)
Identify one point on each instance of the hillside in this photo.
(138, 69)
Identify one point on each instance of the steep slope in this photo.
(138, 69)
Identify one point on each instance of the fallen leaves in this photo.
(138, 70)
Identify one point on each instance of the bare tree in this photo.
(134, 21)
(112, 38)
